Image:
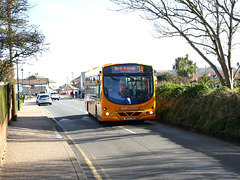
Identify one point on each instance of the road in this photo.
(143, 150)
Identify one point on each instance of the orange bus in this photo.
(120, 92)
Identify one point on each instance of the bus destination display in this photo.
(127, 69)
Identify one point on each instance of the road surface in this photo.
(142, 150)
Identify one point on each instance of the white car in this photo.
(55, 95)
(44, 99)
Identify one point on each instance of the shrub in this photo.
(199, 108)
(195, 91)
(221, 89)
(170, 91)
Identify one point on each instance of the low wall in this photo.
(4, 116)
(3, 137)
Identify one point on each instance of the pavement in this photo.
(35, 150)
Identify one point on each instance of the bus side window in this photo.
(100, 91)
(99, 85)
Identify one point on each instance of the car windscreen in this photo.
(44, 96)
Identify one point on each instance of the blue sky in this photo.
(85, 33)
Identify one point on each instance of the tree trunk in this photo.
(10, 40)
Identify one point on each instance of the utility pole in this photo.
(73, 79)
(67, 86)
(18, 86)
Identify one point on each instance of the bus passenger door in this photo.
(99, 98)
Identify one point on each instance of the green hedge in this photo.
(3, 103)
(198, 108)
(171, 91)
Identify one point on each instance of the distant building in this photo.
(79, 81)
(68, 90)
(160, 72)
(34, 84)
(213, 75)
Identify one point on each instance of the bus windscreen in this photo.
(128, 84)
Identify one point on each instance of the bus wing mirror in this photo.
(98, 82)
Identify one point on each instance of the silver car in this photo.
(44, 99)
(55, 95)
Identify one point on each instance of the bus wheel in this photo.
(96, 115)
(89, 114)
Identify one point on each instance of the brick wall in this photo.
(3, 137)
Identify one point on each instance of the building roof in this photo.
(35, 80)
(68, 87)
(214, 74)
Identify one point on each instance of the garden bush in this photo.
(199, 108)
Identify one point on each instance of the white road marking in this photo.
(127, 130)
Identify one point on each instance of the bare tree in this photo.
(19, 40)
(208, 26)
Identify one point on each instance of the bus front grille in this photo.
(137, 113)
(129, 113)
(122, 114)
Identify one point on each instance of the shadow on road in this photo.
(224, 157)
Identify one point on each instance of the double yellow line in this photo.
(89, 163)
(87, 160)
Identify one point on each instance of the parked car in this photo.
(42, 92)
(55, 95)
(44, 99)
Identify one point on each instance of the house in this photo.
(34, 84)
(68, 90)
(213, 75)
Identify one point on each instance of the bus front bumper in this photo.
(129, 116)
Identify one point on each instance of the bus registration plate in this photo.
(129, 118)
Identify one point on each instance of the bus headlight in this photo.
(107, 114)
(150, 112)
